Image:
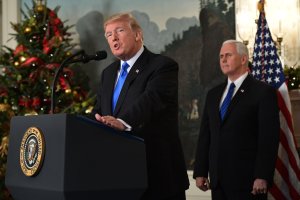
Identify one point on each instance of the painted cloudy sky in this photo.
(161, 18)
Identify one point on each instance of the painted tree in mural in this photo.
(27, 72)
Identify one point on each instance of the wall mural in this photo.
(190, 31)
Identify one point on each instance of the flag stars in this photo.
(269, 80)
(258, 63)
(254, 64)
(266, 54)
(278, 61)
(278, 70)
(259, 54)
(276, 79)
(270, 71)
(267, 44)
(254, 55)
(272, 53)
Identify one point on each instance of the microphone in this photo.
(99, 55)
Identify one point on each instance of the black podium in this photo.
(83, 159)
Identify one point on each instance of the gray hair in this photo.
(240, 47)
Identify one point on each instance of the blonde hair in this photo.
(134, 25)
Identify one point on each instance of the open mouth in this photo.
(116, 46)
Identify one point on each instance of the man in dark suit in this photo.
(147, 105)
(238, 143)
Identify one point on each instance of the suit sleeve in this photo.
(268, 137)
(97, 107)
(202, 152)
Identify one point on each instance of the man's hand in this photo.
(259, 186)
(111, 121)
(202, 183)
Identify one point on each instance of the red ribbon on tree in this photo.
(55, 22)
(32, 60)
(19, 49)
(27, 103)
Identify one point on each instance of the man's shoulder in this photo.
(258, 84)
(158, 57)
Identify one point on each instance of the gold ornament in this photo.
(68, 53)
(22, 59)
(27, 30)
(4, 107)
(16, 64)
(68, 91)
(4, 146)
(89, 110)
(40, 8)
(30, 112)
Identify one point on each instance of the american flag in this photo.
(267, 67)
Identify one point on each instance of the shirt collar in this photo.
(132, 60)
(238, 82)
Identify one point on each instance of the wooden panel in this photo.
(295, 101)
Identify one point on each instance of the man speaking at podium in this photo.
(139, 93)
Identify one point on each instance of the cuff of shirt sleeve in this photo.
(127, 126)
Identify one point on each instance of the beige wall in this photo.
(10, 12)
(1, 23)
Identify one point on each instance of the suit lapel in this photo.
(136, 69)
(218, 98)
(110, 86)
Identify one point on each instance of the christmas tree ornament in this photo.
(40, 8)
(16, 63)
(4, 107)
(22, 59)
(30, 112)
(27, 30)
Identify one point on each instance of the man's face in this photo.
(123, 41)
(231, 62)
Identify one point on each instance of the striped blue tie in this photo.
(119, 85)
(226, 101)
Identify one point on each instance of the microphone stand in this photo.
(66, 61)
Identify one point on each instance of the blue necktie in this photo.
(119, 84)
(226, 101)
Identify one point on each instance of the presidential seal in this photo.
(32, 151)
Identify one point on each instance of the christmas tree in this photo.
(27, 73)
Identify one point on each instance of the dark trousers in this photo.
(219, 193)
(179, 196)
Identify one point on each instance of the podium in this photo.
(81, 159)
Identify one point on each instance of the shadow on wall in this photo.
(91, 37)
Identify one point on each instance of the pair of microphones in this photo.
(79, 56)
(85, 58)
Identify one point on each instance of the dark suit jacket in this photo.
(149, 103)
(244, 146)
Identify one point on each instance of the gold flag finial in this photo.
(261, 6)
